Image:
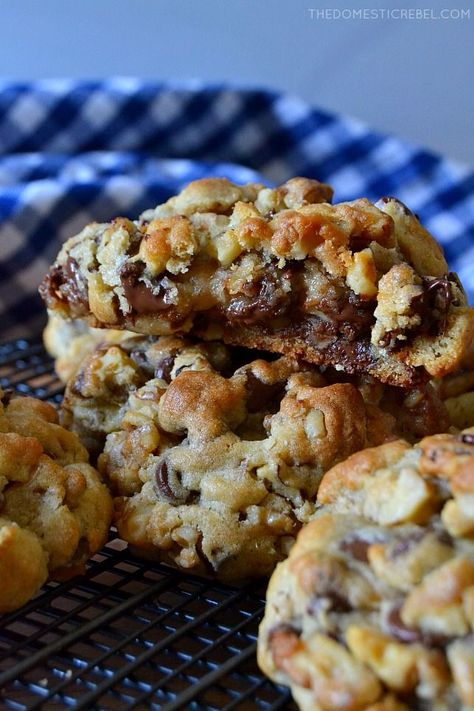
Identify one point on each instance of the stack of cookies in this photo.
(272, 360)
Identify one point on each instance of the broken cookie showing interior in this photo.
(360, 287)
(374, 608)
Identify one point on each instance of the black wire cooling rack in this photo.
(128, 634)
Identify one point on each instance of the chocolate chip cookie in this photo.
(360, 287)
(54, 510)
(215, 456)
(374, 608)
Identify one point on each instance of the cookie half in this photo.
(356, 286)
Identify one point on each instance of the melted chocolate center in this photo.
(140, 297)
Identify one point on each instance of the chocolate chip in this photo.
(405, 209)
(163, 368)
(210, 567)
(444, 538)
(168, 484)
(432, 305)
(79, 382)
(337, 602)
(261, 299)
(141, 359)
(404, 544)
(441, 292)
(142, 299)
(356, 547)
(66, 284)
(260, 394)
(331, 600)
(397, 628)
(6, 397)
(284, 628)
(466, 438)
(283, 642)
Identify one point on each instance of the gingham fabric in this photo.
(72, 152)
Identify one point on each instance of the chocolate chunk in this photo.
(329, 599)
(404, 544)
(352, 315)
(163, 369)
(443, 537)
(209, 565)
(168, 484)
(6, 397)
(432, 305)
(65, 283)
(141, 359)
(284, 629)
(356, 547)
(466, 438)
(261, 394)
(440, 292)
(415, 703)
(78, 383)
(405, 209)
(337, 602)
(141, 298)
(328, 594)
(283, 641)
(262, 299)
(398, 629)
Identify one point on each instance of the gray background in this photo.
(407, 77)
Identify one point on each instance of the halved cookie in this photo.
(360, 287)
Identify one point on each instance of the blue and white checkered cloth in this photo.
(72, 152)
